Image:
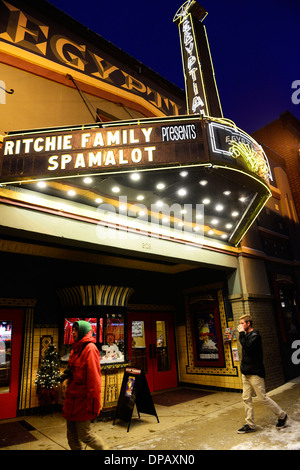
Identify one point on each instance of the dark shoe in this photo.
(281, 422)
(246, 428)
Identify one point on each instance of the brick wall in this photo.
(283, 136)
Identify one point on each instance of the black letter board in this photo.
(134, 390)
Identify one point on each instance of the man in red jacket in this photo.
(83, 394)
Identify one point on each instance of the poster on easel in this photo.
(134, 391)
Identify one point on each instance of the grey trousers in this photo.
(257, 384)
(80, 435)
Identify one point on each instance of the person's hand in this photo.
(240, 328)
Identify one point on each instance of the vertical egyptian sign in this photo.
(201, 89)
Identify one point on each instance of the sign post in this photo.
(134, 391)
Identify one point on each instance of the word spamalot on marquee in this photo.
(66, 146)
(103, 148)
(101, 158)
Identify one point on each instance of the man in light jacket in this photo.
(83, 395)
(253, 375)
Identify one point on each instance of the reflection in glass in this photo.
(162, 347)
(138, 346)
(113, 348)
(107, 332)
(5, 355)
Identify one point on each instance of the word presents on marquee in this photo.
(62, 152)
(134, 391)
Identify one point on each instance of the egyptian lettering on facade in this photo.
(20, 29)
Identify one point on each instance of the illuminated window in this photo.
(113, 347)
(108, 335)
(5, 355)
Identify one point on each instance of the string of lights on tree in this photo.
(48, 372)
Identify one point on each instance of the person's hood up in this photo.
(83, 328)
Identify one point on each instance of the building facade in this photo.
(160, 297)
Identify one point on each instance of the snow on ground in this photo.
(270, 438)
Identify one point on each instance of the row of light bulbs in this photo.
(159, 203)
(160, 186)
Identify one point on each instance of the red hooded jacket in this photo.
(83, 394)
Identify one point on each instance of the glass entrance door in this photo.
(11, 322)
(152, 348)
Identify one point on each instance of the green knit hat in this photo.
(83, 328)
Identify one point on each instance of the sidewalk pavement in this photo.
(207, 423)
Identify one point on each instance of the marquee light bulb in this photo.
(182, 192)
(87, 180)
(135, 176)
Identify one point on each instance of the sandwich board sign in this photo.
(134, 391)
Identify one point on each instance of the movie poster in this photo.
(206, 336)
(129, 386)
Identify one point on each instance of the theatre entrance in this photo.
(151, 347)
(11, 323)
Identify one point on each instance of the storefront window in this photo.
(5, 355)
(68, 338)
(113, 348)
(108, 334)
(94, 325)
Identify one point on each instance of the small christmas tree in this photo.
(47, 377)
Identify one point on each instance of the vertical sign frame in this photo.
(201, 90)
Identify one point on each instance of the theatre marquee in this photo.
(226, 168)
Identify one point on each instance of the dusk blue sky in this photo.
(255, 47)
